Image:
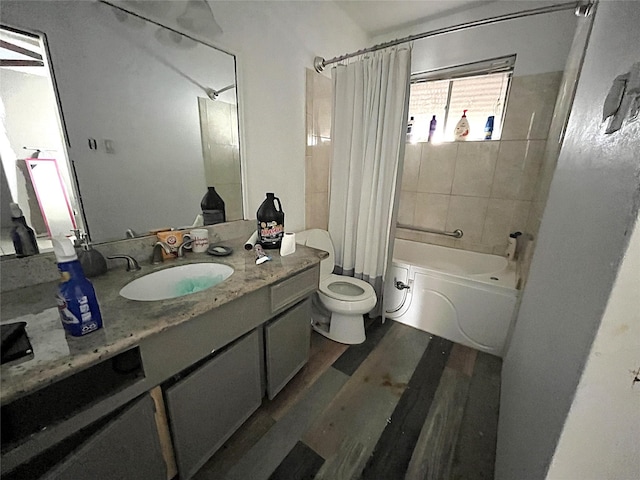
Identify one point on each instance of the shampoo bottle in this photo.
(77, 302)
(462, 128)
(432, 128)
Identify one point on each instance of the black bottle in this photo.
(270, 222)
(23, 236)
(213, 207)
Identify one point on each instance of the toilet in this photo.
(341, 300)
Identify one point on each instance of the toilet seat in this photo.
(344, 303)
(328, 287)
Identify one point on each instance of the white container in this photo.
(462, 128)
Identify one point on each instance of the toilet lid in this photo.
(346, 288)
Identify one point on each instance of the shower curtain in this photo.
(370, 105)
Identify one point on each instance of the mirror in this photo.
(149, 115)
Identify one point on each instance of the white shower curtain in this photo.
(370, 103)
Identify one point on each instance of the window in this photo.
(480, 88)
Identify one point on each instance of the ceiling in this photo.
(378, 17)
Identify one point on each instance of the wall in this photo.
(590, 212)
(599, 442)
(275, 42)
(486, 188)
(541, 42)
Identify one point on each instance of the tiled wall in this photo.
(485, 188)
(318, 152)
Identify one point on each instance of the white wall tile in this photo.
(431, 210)
(317, 211)
(437, 167)
(467, 214)
(532, 167)
(475, 166)
(411, 166)
(509, 169)
(497, 224)
(407, 207)
(530, 106)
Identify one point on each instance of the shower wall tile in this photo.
(467, 214)
(437, 167)
(407, 207)
(530, 106)
(498, 221)
(317, 211)
(520, 218)
(411, 168)
(322, 103)
(509, 169)
(431, 210)
(318, 150)
(532, 167)
(317, 168)
(475, 166)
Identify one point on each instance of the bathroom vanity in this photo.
(164, 383)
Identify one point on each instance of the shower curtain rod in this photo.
(582, 8)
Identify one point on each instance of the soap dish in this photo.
(219, 250)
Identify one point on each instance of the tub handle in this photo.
(401, 285)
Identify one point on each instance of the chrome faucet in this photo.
(132, 264)
(156, 255)
(182, 246)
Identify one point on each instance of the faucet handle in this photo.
(132, 264)
(186, 244)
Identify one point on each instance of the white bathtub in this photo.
(466, 297)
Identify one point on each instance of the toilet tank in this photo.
(321, 240)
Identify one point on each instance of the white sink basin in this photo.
(176, 281)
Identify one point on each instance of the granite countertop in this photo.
(126, 322)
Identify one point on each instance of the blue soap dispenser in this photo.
(77, 302)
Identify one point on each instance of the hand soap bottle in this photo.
(77, 303)
(462, 128)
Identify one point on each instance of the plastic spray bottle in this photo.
(77, 302)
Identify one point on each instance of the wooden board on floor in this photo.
(350, 360)
(237, 446)
(476, 447)
(301, 463)
(360, 411)
(462, 359)
(433, 453)
(395, 446)
(323, 354)
(265, 456)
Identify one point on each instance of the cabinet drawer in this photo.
(128, 447)
(292, 289)
(207, 406)
(287, 341)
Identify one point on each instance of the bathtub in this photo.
(466, 297)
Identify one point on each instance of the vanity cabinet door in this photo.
(128, 447)
(287, 341)
(211, 403)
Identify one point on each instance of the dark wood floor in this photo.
(403, 405)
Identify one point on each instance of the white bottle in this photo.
(462, 128)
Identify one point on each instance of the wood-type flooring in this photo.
(403, 405)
